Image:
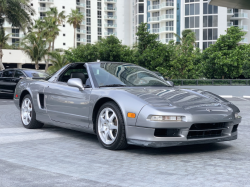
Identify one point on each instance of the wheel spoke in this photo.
(103, 129)
(106, 134)
(107, 114)
(102, 120)
(112, 118)
(111, 135)
(113, 127)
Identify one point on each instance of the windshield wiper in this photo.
(113, 85)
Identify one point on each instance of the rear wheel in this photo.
(28, 114)
(110, 127)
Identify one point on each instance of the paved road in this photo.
(58, 157)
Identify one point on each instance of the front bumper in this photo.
(143, 136)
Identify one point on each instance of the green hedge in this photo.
(207, 82)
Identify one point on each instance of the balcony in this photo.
(167, 17)
(230, 24)
(244, 40)
(81, 40)
(155, 30)
(83, 23)
(153, 7)
(153, 19)
(110, 25)
(230, 11)
(166, 40)
(78, 4)
(42, 17)
(46, 1)
(6, 24)
(81, 12)
(240, 16)
(110, 17)
(243, 27)
(166, 5)
(81, 31)
(167, 29)
(110, 1)
(110, 8)
(43, 9)
(17, 35)
(110, 33)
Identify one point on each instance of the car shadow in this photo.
(186, 149)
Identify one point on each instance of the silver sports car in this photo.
(125, 104)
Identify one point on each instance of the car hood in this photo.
(183, 98)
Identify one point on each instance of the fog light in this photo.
(166, 118)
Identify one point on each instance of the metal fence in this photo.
(211, 82)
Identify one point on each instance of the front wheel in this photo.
(28, 114)
(110, 127)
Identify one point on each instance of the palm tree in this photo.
(35, 47)
(56, 19)
(3, 42)
(75, 18)
(57, 60)
(17, 12)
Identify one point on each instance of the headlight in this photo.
(237, 115)
(166, 118)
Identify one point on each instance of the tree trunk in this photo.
(47, 61)
(36, 65)
(1, 58)
(74, 37)
(53, 45)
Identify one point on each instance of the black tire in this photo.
(120, 141)
(33, 124)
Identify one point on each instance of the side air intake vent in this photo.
(41, 100)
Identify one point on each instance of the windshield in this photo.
(36, 74)
(119, 74)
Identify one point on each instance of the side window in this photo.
(67, 74)
(1, 74)
(8, 73)
(19, 74)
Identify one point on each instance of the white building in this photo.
(122, 17)
(209, 22)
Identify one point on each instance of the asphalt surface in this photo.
(59, 157)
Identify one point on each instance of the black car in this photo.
(10, 77)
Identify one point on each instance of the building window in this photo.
(141, 19)
(209, 9)
(88, 5)
(192, 9)
(99, 38)
(89, 38)
(31, 4)
(99, 21)
(210, 21)
(99, 5)
(99, 14)
(192, 22)
(88, 30)
(88, 12)
(64, 43)
(63, 7)
(141, 8)
(99, 30)
(88, 21)
(64, 34)
(63, 25)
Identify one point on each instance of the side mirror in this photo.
(171, 83)
(76, 82)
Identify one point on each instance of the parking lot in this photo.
(59, 157)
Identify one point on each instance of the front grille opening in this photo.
(204, 134)
(208, 126)
(167, 133)
(235, 128)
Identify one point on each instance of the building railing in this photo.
(154, 7)
(151, 19)
(166, 40)
(167, 16)
(81, 31)
(80, 4)
(110, 17)
(243, 27)
(110, 1)
(6, 24)
(240, 15)
(230, 11)
(211, 82)
(17, 35)
(82, 13)
(110, 33)
(110, 25)
(154, 30)
(229, 24)
(45, 9)
(244, 40)
(81, 39)
(110, 8)
(83, 23)
(168, 28)
(166, 4)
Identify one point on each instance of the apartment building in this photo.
(209, 21)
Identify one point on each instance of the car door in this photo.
(67, 104)
(7, 85)
(17, 77)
